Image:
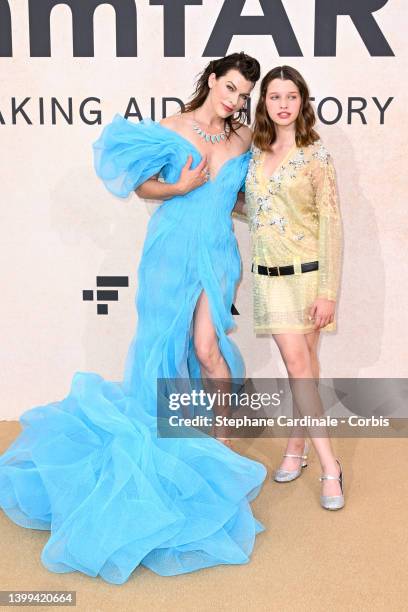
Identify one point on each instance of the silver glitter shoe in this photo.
(333, 502)
(288, 475)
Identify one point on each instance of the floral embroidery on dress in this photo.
(275, 182)
(291, 169)
(253, 165)
(297, 163)
(264, 203)
(273, 185)
(254, 222)
(280, 222)
(321, 152)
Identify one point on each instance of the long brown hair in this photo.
(264, 129)
(249, 68)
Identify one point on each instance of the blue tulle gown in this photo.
(90, 467)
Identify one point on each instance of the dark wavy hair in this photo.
(264, 129)
(249, 68)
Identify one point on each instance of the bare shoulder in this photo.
(177, 121)
(171, 122)
(244, 133)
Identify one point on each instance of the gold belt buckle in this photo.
(277, 267)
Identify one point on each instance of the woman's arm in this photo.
(330, 238)
(153, 189)
(330, 227)
(240, 207)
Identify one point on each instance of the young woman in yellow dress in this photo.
(295, 225)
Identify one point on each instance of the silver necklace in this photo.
(213, 138)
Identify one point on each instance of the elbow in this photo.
(141, 191)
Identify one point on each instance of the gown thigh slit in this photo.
(214, 331)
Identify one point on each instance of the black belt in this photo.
(284, 270)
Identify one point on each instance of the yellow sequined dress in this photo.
(293, 218)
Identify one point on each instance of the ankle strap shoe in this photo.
(288, 475)
(333, 502)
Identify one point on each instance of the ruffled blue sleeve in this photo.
(127, 154)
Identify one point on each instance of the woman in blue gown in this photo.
(90, 468)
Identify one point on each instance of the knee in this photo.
(298, 364)
(208, 354)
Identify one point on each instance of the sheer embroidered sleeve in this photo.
(330, 226)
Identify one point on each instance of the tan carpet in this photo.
(308, 559)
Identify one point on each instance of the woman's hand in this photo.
(191, 179)
(153, 189)
(322, 312)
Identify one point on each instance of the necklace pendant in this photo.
(213, 138)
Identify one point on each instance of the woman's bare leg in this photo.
(299, 353)
(212, 363)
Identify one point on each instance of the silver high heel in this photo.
(288, 475)
(333, 502)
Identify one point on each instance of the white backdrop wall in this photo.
(60, 228)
